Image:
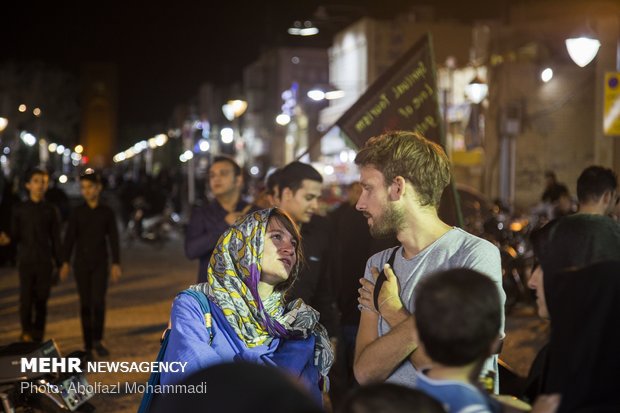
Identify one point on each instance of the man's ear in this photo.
(285, 194)
(397, 188)
(607, 197)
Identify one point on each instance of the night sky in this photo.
(165, 50)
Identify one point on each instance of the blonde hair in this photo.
(412, 156)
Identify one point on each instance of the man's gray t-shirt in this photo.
(456, 248)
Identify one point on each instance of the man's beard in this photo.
(387, 224)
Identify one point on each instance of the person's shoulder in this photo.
(464, 249)
(462, 239)
(586, 224)
(185, 300)
(585, 219)
(460, 396)
(203, 207)
(318, 222)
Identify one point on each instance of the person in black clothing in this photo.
(352, 250)
(297, 189)
(35, 228)
(90, 225)
(597, 190)
(207, 222)
(553, 188)
(8, 201)
(557, 196)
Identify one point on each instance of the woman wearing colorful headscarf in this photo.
(253, 265)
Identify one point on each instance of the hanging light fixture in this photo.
(477, 90)
(325, 91)
(583, 47)
(303, 29)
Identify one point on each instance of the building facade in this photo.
(532, 125)
(278, 82)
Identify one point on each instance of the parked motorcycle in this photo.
(41, 392)
(510, 233)
(149, 227)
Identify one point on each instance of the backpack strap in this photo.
(381, 279)
(154, 378)
(205, 306)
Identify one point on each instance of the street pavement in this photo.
(138, 307)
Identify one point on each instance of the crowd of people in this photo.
(427, 315)
(43, 258)
(380, 306)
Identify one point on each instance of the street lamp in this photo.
(234, 108)
(283, 119)
(477, 90)
(325, 93)
(303, 29)
(582, 49)
(3, 123)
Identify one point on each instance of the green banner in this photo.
(403, 98)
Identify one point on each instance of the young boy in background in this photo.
(35, 229)
(458, 315)
(91, 227)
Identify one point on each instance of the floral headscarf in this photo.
(232, 283)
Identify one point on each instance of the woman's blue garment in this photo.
(189, 342)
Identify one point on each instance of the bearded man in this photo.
(403, 176)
